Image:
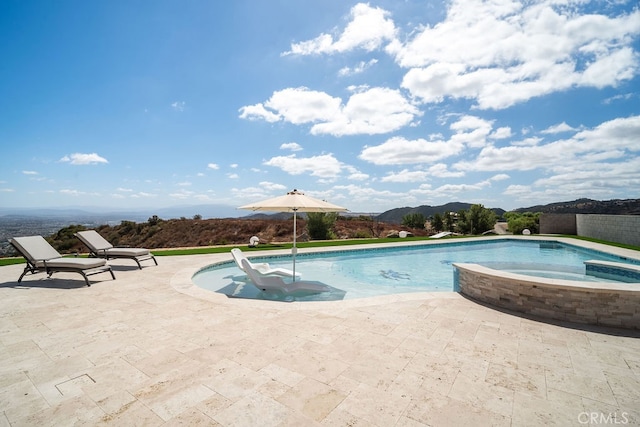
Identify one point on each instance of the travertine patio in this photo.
(151, 349)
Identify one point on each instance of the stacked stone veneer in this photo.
(605, 304)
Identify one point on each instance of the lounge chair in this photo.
(277, 283)
(42, 257)
(262, 268)
(101, 248)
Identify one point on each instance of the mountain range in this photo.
(579, 206)
(588, 206)
(89, 215)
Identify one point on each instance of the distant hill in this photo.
(580, 206)
(395, 215)
(588, 206)
(179, 233)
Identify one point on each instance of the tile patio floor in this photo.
(151, 349)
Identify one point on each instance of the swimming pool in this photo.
(371, 272)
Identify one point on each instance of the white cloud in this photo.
(471, 131)
(361, 67)
(292, 146)
(83, 159)
(499, 177)
(609, 140)
(374, 111)
(142, 195)
(178, 105)
(559, 128)
(77, 193)
(623, 97)
(501, 133)
(182, 194)
(358, 176)
(369, 111)
(301, 105)
(527, 142)
(503, 53)
(598, 180)
(449, 189)
(406, 176)
(368, 29)
(617, 133)
(202, 198)
(372, 197)
(30, 172)
(272, 186)
(258, 112)
(517, 190)
(597, 175)
(400, 151)
(441, 170)
(213, 166)
(513, 158)
(324, 166)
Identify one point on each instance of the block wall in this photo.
(612, 228)
(558, 224)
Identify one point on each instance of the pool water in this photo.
(425, 268)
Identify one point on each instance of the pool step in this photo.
(619, 271)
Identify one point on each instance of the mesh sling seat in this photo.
(101, 248)
(42, 257)
(263, 268)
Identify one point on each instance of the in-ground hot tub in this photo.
(608, 303)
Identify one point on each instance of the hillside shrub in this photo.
(517, 222)
(414, 220)
(476, 220)
(320, 225)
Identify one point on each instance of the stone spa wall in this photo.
(606, 304)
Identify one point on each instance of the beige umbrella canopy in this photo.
(294, 201)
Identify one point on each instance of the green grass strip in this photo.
(313, 244)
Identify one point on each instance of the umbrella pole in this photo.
(293, 251)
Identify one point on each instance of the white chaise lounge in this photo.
(101, 248)
(262, 268)
(42, 257)
(277, 283)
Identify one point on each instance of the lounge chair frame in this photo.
(277, 283)
(99, 247)
(35, 265)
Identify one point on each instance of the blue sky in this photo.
(372, 106)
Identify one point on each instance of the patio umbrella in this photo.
(294, 201)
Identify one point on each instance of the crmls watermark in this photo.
(599, 418)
